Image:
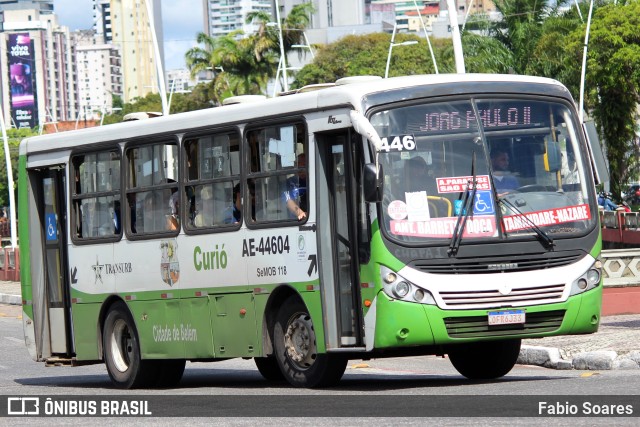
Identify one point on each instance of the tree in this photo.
(613, 82)
(482, 55)
(367, 54)
(520, 28)
(267, 38)
(243, 72)
(14, 136)
(151, 102)
(551, 57)
(199, 98)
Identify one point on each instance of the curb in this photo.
(10, 299)
(601, 360)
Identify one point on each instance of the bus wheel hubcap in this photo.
(121, 346)
(299, 341)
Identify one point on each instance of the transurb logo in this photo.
(105, 269)
(169, 265)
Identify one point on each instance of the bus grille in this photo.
(496, 264)
(492, 298)
(478, 326)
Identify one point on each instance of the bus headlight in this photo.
(589, 280)
(400, 288)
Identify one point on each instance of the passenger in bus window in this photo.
(204, 218)
(257, 212)
(416, 175)
(153, 215)
(502, 178)
(116, 216)
(131, 200)
(173, 220)
(295, 196)
(233, 214)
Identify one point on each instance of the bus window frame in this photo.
(249, 175)
(184, 180)
(166, 139)
(112, 146)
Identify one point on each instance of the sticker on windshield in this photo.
(397, 209)
(546, 217)
(398, 143)
(482, 204)
(417, 206)
(457, 184)
(483, 226)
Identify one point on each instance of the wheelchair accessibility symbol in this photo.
(483, 204)
(52, 227)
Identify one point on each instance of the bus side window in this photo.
(153, 193)
(277, 158)
(96, 195)
(214, 171)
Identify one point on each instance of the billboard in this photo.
(21, 75)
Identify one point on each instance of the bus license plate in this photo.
(508, 317)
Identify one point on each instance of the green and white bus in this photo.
(362, 220)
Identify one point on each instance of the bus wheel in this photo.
(296, 351)
(169, 372)
(122, 351)
(485, 360)
(269, 368)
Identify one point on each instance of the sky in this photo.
(181, 21)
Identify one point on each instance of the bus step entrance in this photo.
(58, 361)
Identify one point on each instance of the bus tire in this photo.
(122, 351)
(485, 360)
(269, 368)
(170, 372)
(296, 350)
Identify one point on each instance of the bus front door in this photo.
(56, 302)
(337, 237)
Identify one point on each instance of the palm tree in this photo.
(267, 39)
(199, 58)
(520, 28)
(243, 73)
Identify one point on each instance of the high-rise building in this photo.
(39, 59)
(331, 13)
(224, 16)
(42, 6)
(126, 25)
(99, 74)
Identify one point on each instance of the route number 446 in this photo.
(398, 143)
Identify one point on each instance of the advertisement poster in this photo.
(21, 70)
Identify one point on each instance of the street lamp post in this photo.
(455, 33)
(392, 45)
(159, 69)
(426, 34)
(283, 59)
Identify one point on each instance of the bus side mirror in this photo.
(552, 156)
(598, 160)
(372, 183)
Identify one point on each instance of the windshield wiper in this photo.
(545, 239)
(465, 210)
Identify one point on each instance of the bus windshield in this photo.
(522, 155)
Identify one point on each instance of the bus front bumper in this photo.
(405, 324)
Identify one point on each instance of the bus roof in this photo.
(335, 95)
